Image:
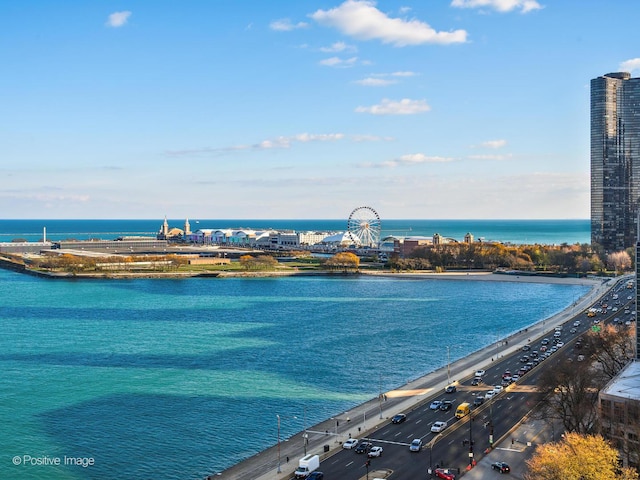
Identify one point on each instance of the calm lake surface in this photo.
(177, 379)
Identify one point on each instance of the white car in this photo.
(489, 395)
(498, 388)
(576, 323)
(480, 373)
(416, 445)
(375, 452)
(437, 427)
(349, 444)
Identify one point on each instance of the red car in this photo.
(444, 473)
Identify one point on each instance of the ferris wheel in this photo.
(363, 227)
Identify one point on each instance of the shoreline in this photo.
(326, 437)
(526, 277)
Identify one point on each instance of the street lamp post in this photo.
(305, 436)
(491, 423)
(471, 440)
(431, 443)
(279, 470)
(380, 396)
(448, 366)
(279, 463)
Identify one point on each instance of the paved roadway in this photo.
(371, 420)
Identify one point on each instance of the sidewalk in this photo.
(327, 437)
(514, 449)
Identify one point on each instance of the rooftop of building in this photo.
(627, 383)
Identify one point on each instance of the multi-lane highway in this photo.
(464, 440)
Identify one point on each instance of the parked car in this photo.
(399, 418)
(416, 445)
(349, 444)
(501, 467)
(364, 447)
(375, 452)
(446, 405)
(435, 405)
(438, 427)
(444, 473)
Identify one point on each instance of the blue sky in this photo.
(435, 109)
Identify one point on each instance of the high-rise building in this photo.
(615, 160)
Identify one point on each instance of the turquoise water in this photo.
(177, 379)
(546, 232)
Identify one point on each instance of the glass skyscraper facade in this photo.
(615, 160)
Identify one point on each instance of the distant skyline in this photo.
(453, 109)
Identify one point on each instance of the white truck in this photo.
(306, 465)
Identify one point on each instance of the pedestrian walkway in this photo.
(325, 438)
(515, 449)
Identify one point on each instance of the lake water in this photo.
(177, 379)
(545, 232)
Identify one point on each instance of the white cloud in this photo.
(524, 6)
(323, 137)
(285, 142)
(370, 138)
(339, 47)
(285, 25)
(494, 143)
(392, 107)
(630, 65)
(414, 158)
(281, 142)
(490, 157)
(118, 19)
(339, 62)
(407, 160)
(403, 74)
(362, 20)
(375, 82)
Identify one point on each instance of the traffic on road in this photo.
(452, 429)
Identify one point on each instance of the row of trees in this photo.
(570, 390)
(77, 264)
(578, 258)
(569, 394)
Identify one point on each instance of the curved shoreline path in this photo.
(327, 437)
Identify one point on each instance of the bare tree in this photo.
(619, 261)
(570, 394)
(612, 347)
